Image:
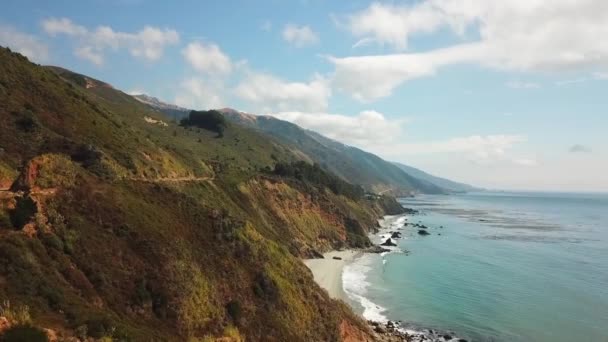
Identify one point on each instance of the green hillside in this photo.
(118, 224)
(350, 163)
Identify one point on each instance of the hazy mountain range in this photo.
(350, 163)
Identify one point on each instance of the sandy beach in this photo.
(328, 271)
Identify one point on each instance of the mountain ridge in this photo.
(423, 181)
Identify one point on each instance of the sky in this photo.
(499, 94)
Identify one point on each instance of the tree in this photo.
(211, 120)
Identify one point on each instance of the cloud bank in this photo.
(147, 44)
(520, 35)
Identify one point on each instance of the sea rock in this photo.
(423, 232)
(447, 337)
(380, 329)
(376, 249)
(316, 254)
(396, 235)
(410, 211)
(388, 242)
(337, 258)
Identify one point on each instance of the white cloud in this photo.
(368, 127)
(374, 132)
(88, 53)
(26, 44)
(299, 36)
(392, 24)
(55, 26)
(368, 78)
(522, 85)
(207, 58)
(274, 94)
(518, 35)
(148, 43)
(479, 149)
(195, 93)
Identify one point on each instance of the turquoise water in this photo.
(506, 267)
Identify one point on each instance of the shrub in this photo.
(87, 155)
(265, 288)
(234, 311)
(24, 211)
(18, 315)
(26, 122)
(211, 120)
(24, 333)
(51, 241)
(315, 175)
(55, 170)
(98, 328)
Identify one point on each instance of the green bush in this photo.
(211, 120)
(26, 122)
(24, 333)
(24, 211)
(234, 311)
(315, 175)
(98, 328)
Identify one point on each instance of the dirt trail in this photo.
(172, 179)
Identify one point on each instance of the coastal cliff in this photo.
(113, 226)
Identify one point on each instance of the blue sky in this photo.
(506, 95)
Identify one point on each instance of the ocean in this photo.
(506, 266)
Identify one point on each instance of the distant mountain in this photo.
(174, 111)
(350, 163)
(441, 182)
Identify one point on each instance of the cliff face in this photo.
(115, 227)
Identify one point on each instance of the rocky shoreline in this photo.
(392, 331)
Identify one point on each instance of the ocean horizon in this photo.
(497, 266)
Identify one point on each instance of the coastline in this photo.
(345, 280)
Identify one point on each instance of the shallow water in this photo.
(506, 267)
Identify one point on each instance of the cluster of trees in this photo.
(314, 174)
(211, 120)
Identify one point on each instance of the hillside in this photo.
(117, 223)
(441, 182)
(350, 163)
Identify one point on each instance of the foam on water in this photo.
(355, 275)
(355, 285)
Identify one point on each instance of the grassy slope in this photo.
(124, 240)
(350, 163)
